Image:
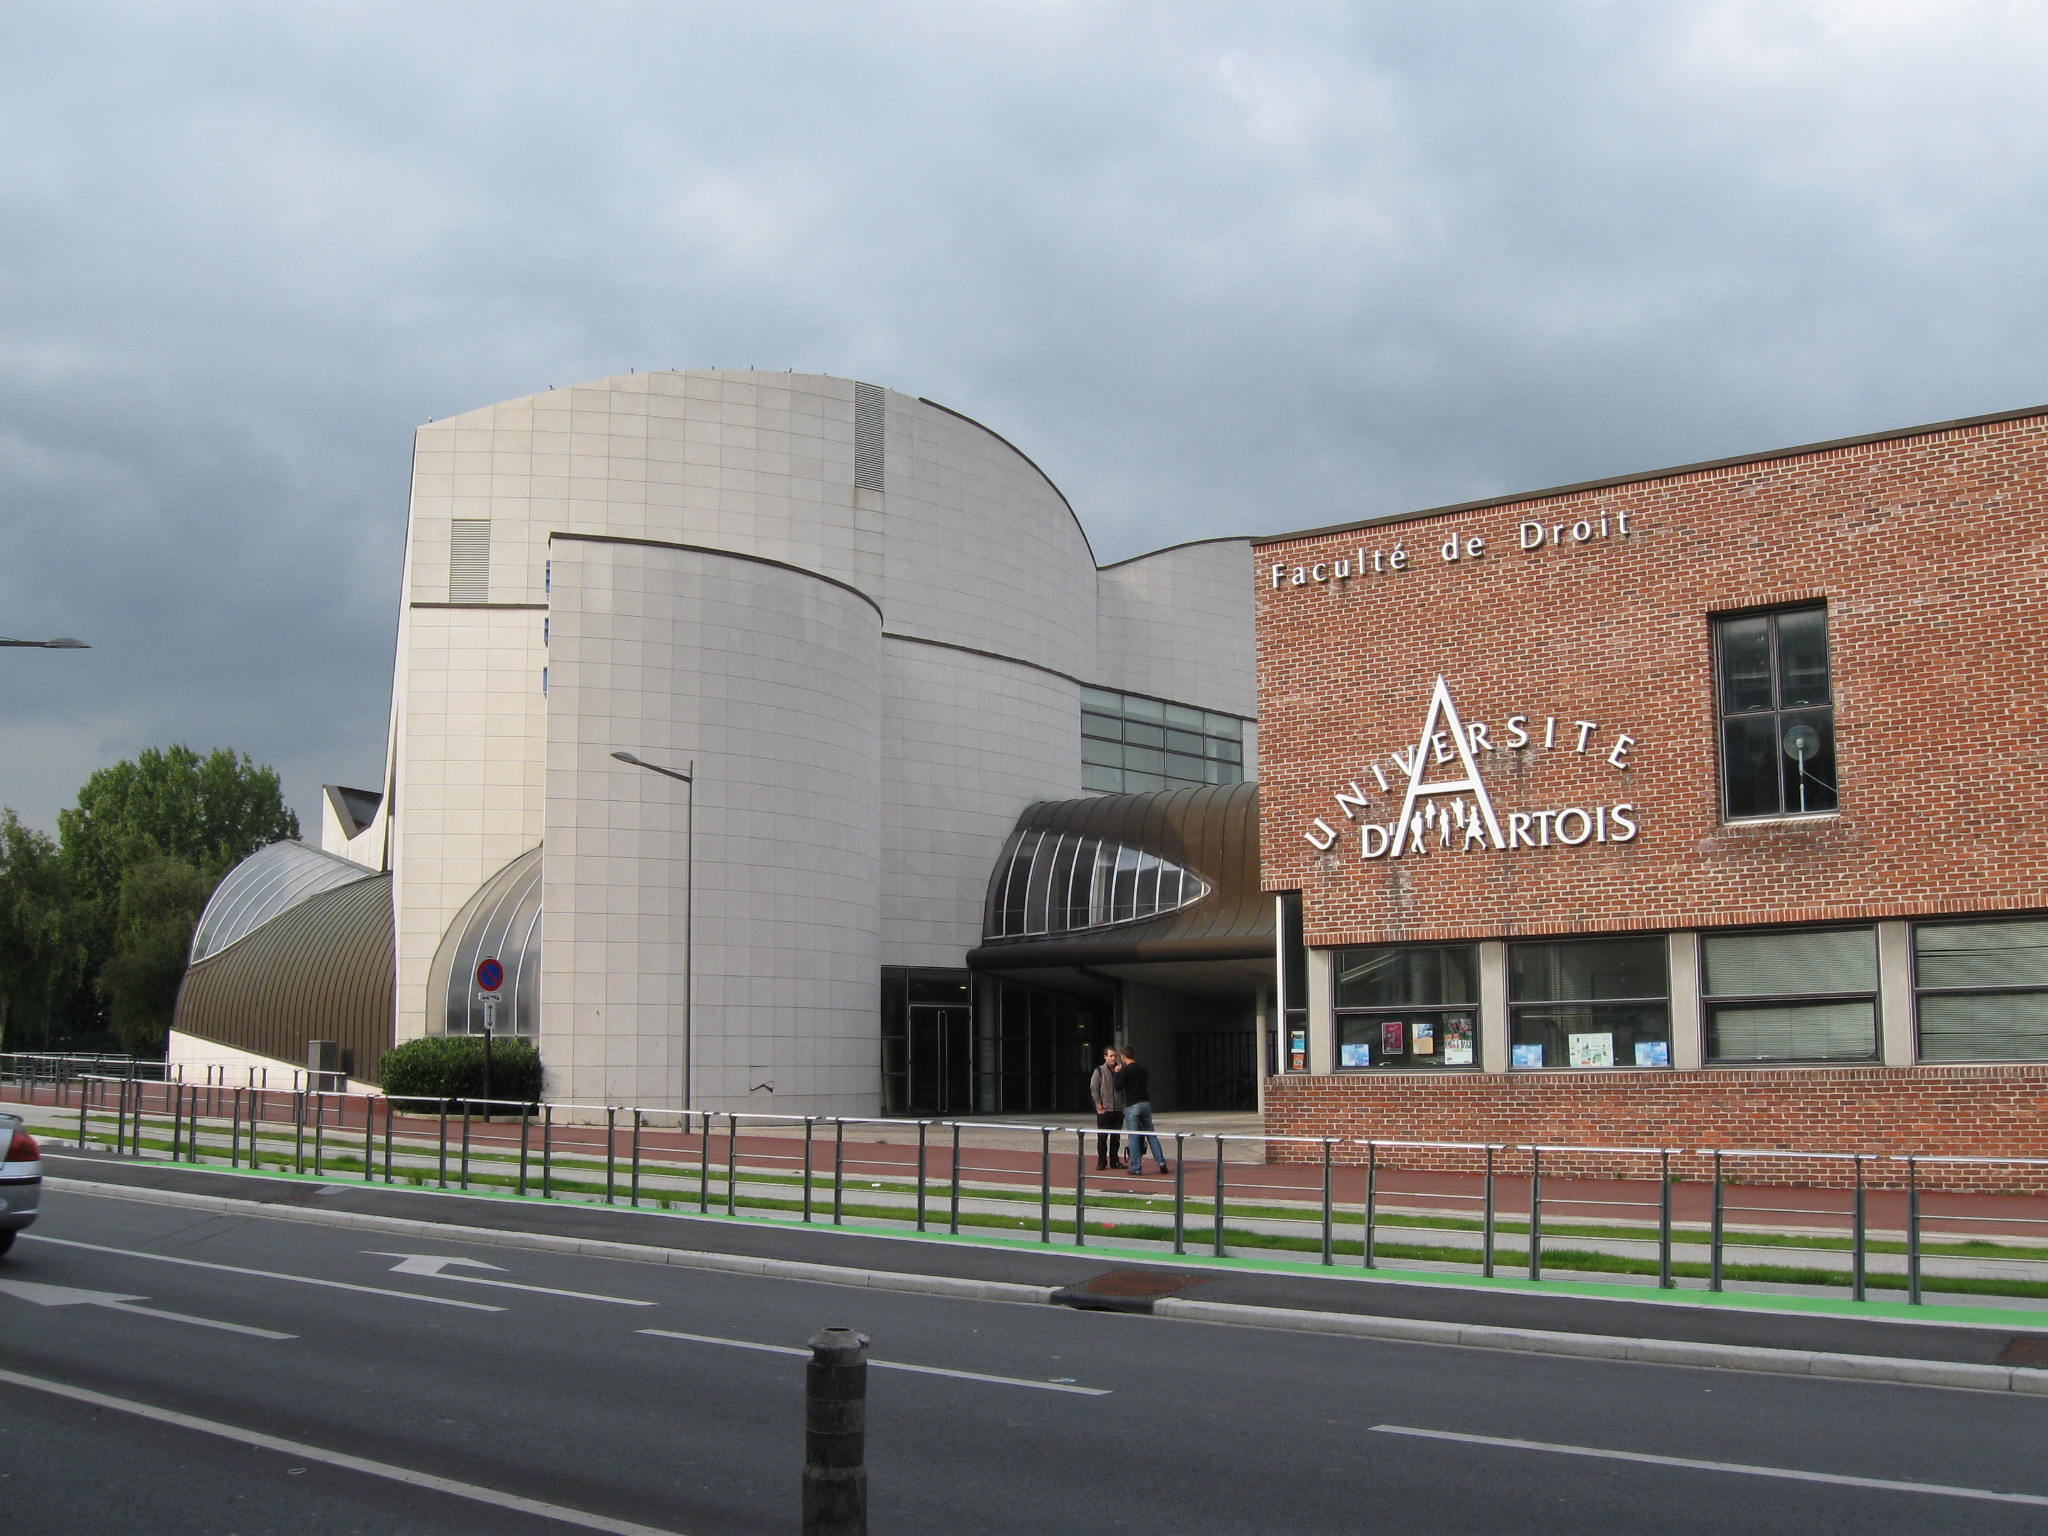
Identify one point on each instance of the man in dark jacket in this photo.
(1134, 1082)
(1109, 1109)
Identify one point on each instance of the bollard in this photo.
(835, 1486)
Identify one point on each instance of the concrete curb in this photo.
(1727, 1357)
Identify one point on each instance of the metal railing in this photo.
(1478, 1208)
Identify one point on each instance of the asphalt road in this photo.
(225, 1394)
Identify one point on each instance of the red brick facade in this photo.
(1930, 550)
(1955, 1111)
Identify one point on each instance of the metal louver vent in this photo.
(469, 560)
(867, 436)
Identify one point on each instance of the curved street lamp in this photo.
(688, 776)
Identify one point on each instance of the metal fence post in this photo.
(1372, 1196)
(1045, 1183)
(234, 1129)
(319, 1133)
(1535, 1213)
(923, 1126)
(1180, 1191)
(611, 1154)
(835, 1480)
(441, 1168)
(838, 1173)
(633, 1197)
(387, 1141)
(525, 1126)
(1664, 1219)
(810, 1126)
(732, 1160)
(1859, 1240)
(369, 1138)
(1714, 1231)
(547, 1151)
(1329, 1248)
(703, 1159)
(953, 1173)
(1913, 1231)
(177, 1120)
(1217, 1210)
(298, 1130)
(1486, 1218)
(1080, 1189)
(462, 1177)
(83, 1094)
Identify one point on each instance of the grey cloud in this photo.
(1216, 268)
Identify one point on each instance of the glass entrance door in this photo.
(941, 1064)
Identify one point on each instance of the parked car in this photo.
(21, 1178)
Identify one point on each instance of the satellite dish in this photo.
(1801, 743)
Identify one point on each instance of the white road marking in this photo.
(301, 1451)
(432, 1267)
(1889, 1485)
(71, 1296)
(263, 1274)
(883, 1365)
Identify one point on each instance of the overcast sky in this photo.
(1217, 268)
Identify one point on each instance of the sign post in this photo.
(490, 977)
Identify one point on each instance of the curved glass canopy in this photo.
(502, 922)
(269, 882)
(1065, 882)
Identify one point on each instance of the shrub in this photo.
(450, 1068)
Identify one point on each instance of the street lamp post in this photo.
(61, 643)
(688, 776)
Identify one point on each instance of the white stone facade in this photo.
(866, 621)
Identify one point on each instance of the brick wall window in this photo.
(1289, 1053)
(1800, 995)
(1408, 1005)
(1777, 713)
(1983, 990)
(1590, 1003)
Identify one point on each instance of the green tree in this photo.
(139, 854)
(41, 982)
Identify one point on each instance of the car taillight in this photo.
(23, 1148)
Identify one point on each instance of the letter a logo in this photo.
(1443, 716)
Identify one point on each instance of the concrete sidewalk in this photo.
(1973, 1347)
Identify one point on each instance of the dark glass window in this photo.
(1777, 713)
(1403, 1005)
(1983, 990)
(1804, 995)
(1290, 1054)
(1132, 744)
(1590, 1003)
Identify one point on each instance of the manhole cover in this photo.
(2025, 1349)
(1127, 1290)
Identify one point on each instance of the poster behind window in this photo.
(1529, 1055)
(1653, 1053)
(1393, 1034)
(1593, 1050)
(1457, 1042)
(1354, 1053)
(1422, 1038)
(1297, 1050)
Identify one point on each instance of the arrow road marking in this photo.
(71, 1296)
(885, 1365)
(1884, 1484)
(263, 1274)
(434, 1267)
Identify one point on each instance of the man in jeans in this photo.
(1135, 1084)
